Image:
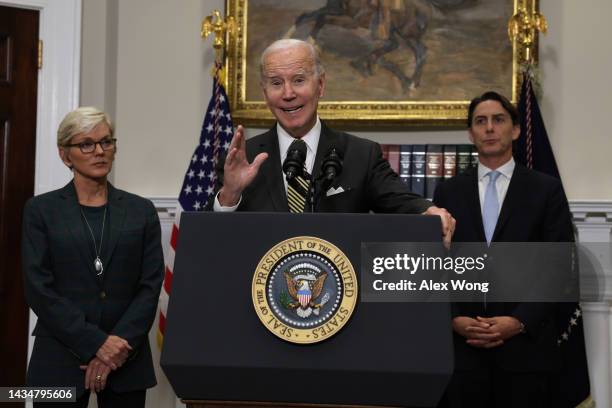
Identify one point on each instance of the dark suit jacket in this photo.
(535, 209)
(369, 182)
(77, 310)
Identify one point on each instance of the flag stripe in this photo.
(174, 237)
(199, 180)
(168, 280)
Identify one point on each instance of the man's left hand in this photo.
(506, 326)
(448, 223)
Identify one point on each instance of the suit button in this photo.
(103, 295)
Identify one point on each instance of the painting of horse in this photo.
(391, 50)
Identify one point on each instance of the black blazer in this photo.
(368, 181)
(535, 209)
(77, 310)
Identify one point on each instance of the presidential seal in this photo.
(304, 290)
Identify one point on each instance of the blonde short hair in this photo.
(81, 120)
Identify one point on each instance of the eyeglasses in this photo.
(90, 147)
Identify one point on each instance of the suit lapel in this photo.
(272, 171)
(474, 205)
(511, 201)
(325, 143)
(327, 140)
(117, 212)
(74, 220)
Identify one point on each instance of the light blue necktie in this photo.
(490, 209)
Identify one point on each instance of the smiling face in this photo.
(292, 88)
(492, 132)
(95, 165)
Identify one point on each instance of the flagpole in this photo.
(222, 29)
(523, 28)
(215, 136)
(533, 150)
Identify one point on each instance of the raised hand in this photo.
(238, 173)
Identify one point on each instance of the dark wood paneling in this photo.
(5, 60)
(4, 149)
(18, 57)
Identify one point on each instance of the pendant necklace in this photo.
(97, 248)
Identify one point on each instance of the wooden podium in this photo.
(217, 353)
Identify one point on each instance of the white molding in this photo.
(597, 319)
(166, 206)
(583, 210)
(28, 4)
(604, 308)
(58, 82)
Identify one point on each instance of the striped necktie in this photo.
(297, 191)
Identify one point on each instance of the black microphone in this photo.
(293, 165)
(332, 164)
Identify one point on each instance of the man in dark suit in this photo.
(251, 178)
(504, 352)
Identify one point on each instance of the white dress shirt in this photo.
(312, 142)
(284, 141)
(501, 184)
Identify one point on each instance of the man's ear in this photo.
(471, 135)
(321, 85)
(516, 132)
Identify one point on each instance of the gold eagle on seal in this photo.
(305, 289)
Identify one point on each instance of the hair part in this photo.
(493, 96)
(81, 120)
(287, 43)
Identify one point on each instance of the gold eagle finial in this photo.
(524, 26)
(220, 27)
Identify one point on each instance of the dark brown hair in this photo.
(493, 96)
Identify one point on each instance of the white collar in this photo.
(311, 139)
(506, 169)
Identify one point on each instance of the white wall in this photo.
(160, 69)
(576, 61)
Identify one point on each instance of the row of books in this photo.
(423, 166)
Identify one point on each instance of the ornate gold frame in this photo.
(350, 114)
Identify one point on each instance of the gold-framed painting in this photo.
(388, 63)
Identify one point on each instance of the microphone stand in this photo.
(316, 189)
(312, 200)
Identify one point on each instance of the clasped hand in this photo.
(486, 332)
(110, 356)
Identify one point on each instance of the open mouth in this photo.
(293, 110)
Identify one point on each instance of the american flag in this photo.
(199, 182)
(534, 151)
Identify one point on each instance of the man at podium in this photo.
(324, 170)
